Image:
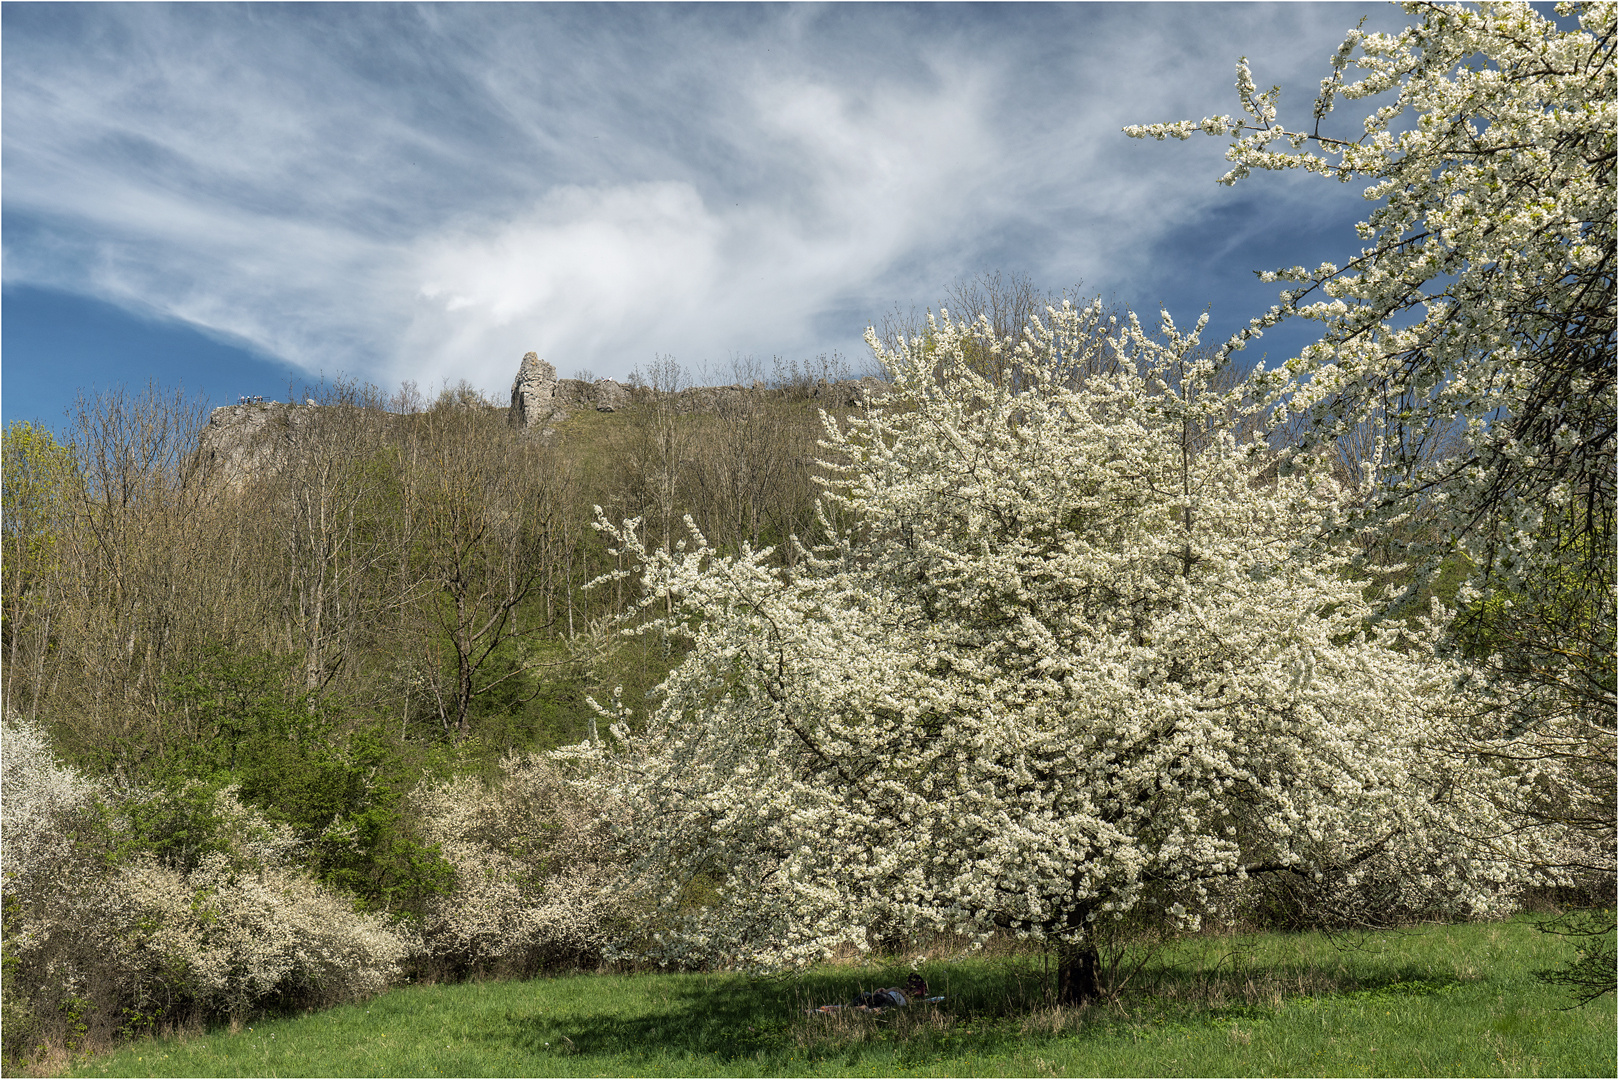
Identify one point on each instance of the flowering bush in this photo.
(1479, 317)
(534, 873)
(40, 796)
(1074, 653)
(1482, 308)
(102, 937)
(230, 940)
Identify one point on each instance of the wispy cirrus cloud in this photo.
(413, 192)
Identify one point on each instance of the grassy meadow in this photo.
(1430, 1001)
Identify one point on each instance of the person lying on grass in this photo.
(889, 997)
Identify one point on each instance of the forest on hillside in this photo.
(416, 571)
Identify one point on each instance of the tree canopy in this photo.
(1075, 655)
(1480, 311)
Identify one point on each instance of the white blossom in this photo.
(124, 941)
(534, 881)
(1070, 649)
(1483, 302)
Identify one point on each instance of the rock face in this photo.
(847, 393)
(244, 441)
(534, 394)
(257, 438)
(603, 395)
(540, 398)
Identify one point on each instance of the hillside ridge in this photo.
(245, 439)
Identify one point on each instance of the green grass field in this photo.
(1431, 1001)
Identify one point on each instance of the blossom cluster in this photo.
(39, 795)
(1068, 650)
(535, 876)
(1482, 304)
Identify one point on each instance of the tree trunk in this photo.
(1077, 967)
(1078, 964)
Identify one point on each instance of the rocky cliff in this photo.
(539, 397)
(244, 440)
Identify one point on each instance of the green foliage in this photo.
(1552, 635)
(339, 781)
(177, 823)
(232, 706)
(35, 522)
(38, 473)
(370, 846)
(546, 711)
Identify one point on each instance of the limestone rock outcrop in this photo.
(539, 398)
(255, 439)
(241, 442)
(846, 393)
(534, 394)
(603, 395)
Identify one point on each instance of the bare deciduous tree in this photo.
(481, 507)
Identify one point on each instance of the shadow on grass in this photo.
(990, 1009)
(766, 1020)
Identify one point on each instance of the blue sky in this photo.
(235, 197)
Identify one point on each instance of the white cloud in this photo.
(422, 193)
(616, 273)
(587, 272)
